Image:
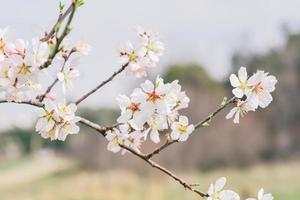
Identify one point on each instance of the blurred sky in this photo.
(202, 31)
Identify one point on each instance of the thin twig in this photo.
(60, 39)
(198, 125)
(146, 158)
(42, 97)
(164, 170)
(101, 84)
(60, 19)
(159, 149)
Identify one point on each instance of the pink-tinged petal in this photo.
(183, 137)
(238, 92)
(154, 135)
(175, 135)
(125, 117)
(229, 195)
(243, 74)
(236, 119)
(190, 129)
(234, 81)
(183, 120)
(147, 86)
(231, 113)
(211, 189)
(265, 99)
(220, 183)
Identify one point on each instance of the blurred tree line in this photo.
(268, 135)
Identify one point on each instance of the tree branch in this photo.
(146, 158)
(65, 32)
(198, 125)
(101, 84)
(42, 97)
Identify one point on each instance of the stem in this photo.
(198, 125)
(101, 84)
(42, 97)
(60, 39)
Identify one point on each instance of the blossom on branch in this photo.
(150, 110)
(139, 58)
(251, 93)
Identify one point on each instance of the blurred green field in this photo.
(49, 177)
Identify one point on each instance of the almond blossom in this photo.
(140, 57)
(181, 129)
(242, 107)
(68, 75)
(262, 196)
(240, 83)
(57, 121)
(251, 92)
(262, 86)
(216, 192)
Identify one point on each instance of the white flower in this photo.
(181, 129)
(117, 137)
(151, 45)
(67, 127)
(134, 58)
(48, 118)
(41, 51)
(66, 110)
(242, 107)
(3, 34)
(83, 47)
(262, 196)
(68, 75)
(156, 124)
(240, 83)
(262, 86)
(176, 98)
(216, 191)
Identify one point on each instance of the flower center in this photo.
(132, 57)
(244, 85)
(182, 128)
(258, 88)
(134, 107)
(215, 196)
(24, 69)
(152, 96)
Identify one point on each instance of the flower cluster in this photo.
(216, 192)
(150, 109)
(145, 55)
(22, 70)
(57, 121)
(19, 67)
(251, 92)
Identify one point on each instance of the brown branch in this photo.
(198, 125)
(159, 149)
(65, 32)
(165, 171)
(146, 158)
(31, 103)
(101, 84)
(60, 19)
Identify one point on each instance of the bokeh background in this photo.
(205, 40)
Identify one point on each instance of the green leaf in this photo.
(61, 7)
